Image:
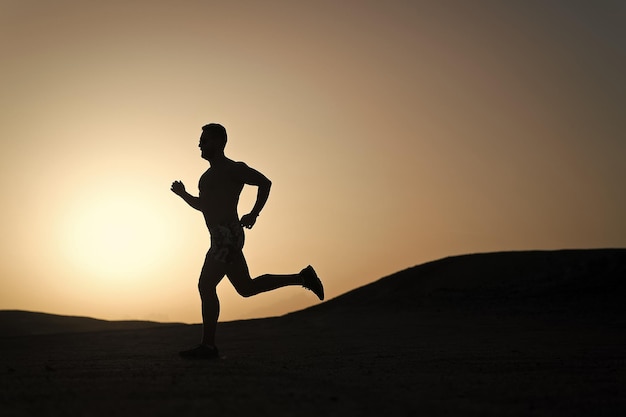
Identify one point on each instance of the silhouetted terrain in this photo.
(531, 282)
(22, 323)
(500, 334)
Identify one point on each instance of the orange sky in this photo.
(394, 133)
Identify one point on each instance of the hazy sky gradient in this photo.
(394, 133)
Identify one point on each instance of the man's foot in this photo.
(310, 281)
(200, 352)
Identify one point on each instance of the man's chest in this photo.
(215, 181)
(208, 181)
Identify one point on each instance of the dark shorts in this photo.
(226, 242)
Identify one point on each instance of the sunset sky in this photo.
(394, 133)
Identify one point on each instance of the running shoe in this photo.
(311, 282)
(200, 352)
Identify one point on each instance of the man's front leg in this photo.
(210, 315)
(212, 273)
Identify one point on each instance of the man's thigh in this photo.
(212, 272)
(237, 271)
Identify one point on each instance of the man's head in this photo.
(213, 140)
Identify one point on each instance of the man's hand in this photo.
(248, 220)
(178, 188)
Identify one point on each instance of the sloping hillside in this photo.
(21, 323)
(575, 282)
(512, 282)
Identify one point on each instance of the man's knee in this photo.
(206, 289)
(245, 290)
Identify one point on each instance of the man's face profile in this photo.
(208, 145)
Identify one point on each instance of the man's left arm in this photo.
(251, 176)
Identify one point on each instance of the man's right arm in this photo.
(178, 188)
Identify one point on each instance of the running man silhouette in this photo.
(219, 190)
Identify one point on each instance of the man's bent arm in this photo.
(262, 195)
(178, 188)
(253, 177)
(191, 200)
(261, 198)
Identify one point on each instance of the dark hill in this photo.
(22, 323)
(343, 357)
(530, 282)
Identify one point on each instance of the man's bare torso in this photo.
(220, 187)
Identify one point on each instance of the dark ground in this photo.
(535, 353)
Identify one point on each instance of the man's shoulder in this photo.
(236, 170)
(237, 165)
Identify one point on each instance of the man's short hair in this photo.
(215, 131)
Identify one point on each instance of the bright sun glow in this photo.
(115, 238)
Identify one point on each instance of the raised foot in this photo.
(310, 281)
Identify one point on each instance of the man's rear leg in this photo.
(239, 276)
